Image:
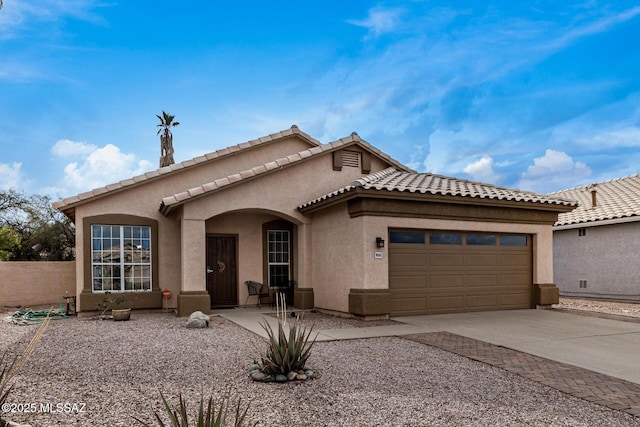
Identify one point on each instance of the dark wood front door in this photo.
(222, 271)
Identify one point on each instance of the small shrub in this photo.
(212, 416)
(107, 302)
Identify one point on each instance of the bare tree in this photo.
(166, 138)
(43, 232)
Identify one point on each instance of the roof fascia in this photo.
(597, 223)
(422, 197)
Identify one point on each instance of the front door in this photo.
(222, 272)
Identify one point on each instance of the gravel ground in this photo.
(118, 369)
(603, 307)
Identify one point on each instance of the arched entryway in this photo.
(249, 245)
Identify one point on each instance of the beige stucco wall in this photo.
(606, 257)
(344, 255)
(181, 236)
(26, 284)
(278, 195)
(144, 201)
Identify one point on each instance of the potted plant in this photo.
(116, 314)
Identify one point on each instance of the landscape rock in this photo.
(292, 375)
(258, 375)
(281, 379)
(198, 320)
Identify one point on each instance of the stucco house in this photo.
(357, 231)
(596, 246)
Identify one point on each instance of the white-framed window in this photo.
(278, 258)
(120, 258)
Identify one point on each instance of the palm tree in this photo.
(166, 138)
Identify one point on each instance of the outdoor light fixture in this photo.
(379, 242)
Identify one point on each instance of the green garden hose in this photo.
(26, 316)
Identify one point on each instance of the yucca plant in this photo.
(286, 352)
(212, 416)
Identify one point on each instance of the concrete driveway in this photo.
(610, 347)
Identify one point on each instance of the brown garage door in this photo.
(434, 271)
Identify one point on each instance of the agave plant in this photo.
(286, 352)
(212, 416)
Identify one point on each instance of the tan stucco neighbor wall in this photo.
(30, 283)
(606, 257)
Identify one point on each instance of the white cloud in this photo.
(68, 148)
(554, 171)
(596, 27)
(623, 137)
(380, 21)
(482, 170)
(18, 15)
(10, 176)
(100, 166)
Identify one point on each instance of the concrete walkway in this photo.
(609, 347)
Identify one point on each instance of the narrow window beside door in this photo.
(278, 258)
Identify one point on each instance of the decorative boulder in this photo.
(198, 320)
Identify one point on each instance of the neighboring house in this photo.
(359, 233)
(596, 246)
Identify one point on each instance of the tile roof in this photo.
(70, 201)
(392, 180)
(170, 202)
(617, 200)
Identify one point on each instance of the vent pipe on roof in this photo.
(594, 193)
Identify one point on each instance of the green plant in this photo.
(212, 416)
(286, 352)
(8, 369)
(107, 302)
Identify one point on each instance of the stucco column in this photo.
(372, 299)
(543, 256)
(304, 256)
(303, 294)
(545, 292)
(193, 294)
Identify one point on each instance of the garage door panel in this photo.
(514, 279)
(429, 279)
(448, 282)
(514, 260)
(480, 260)
(446, 259)
(480, 280)
(515, 300)
(448, 303)
(408, 282)
(481, 301)
(407, 259)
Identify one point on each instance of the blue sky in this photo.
(536, 95)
